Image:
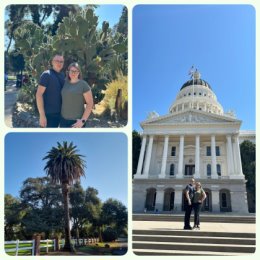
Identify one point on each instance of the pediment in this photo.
(191, 117)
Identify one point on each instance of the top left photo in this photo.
(66, 66)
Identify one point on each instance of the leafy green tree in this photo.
(65, 166)
(114, 214)
(247, 149)
(14, 213)
(42, 201)
(122, 26)
(136, 149)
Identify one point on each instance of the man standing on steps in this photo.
(48, 96)
(188, 196)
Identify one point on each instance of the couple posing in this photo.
(61, 99)
(194, 197)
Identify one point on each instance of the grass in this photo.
(99, 248)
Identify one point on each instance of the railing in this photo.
(20, 247)
(25, 245)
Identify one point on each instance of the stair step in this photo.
(194, 239)
(194, 247)
(150, 252)
(213, 218)
(194, 233)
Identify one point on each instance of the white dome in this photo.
(196, 94)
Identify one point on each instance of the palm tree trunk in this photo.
(68, 245)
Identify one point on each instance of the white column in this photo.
(213, 158)
(141, 158)
(159, 200)
(215, 201)
(235, 157)
(164, 157)
(178, 199)
(148, 156)
(197, 158)
(180, 164)
(237, 154)
(230, 157)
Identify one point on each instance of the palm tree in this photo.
(65, 166)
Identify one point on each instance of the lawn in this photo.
(112, 248)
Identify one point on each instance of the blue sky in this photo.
(219, 40)
(106, 159)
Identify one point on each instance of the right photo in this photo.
(194, 128)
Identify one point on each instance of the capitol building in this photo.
(196, 139)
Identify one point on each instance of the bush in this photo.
(109, 235)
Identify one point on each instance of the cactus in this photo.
(80, 40)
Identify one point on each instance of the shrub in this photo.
(109, 235)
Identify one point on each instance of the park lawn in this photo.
(99, 248)
(11, 77)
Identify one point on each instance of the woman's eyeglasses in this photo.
(59, 61)
(73, 71)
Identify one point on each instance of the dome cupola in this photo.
(196, 94)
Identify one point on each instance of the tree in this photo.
(42, 201)
(65, 166)
(114, 214)
(247, 149)
(14, 212)
(136, 149)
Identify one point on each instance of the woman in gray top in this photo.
(77, 100)
(198, 198)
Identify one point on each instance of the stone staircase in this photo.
(183, 242)
(204, 218)
(161, 241)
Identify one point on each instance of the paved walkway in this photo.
(10, 99)
(207, 226)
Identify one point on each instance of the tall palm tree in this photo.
(65, 166)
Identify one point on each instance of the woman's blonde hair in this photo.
(75, 65)
(198, 184)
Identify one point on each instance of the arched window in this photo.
(219, 169)
(172, 169)
(208, 170)
(224, 200)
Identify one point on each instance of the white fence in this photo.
(48, 243)
(19, 247)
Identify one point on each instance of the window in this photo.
(224, 200)
(172, 169)
(219, 169)
(173, 152)
(217, 151)
(208, 170)
(208, 151)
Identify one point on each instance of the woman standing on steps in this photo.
(198, 198)
(77, 100)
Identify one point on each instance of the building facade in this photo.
(196, 139)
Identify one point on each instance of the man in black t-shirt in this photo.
(188, 196)
(48, 96)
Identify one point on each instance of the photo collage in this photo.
(129, 130)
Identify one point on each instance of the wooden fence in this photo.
(35, 245)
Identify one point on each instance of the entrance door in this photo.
(189, 169)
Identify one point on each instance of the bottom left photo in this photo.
(66, 194)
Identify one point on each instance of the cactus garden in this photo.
(80, 36)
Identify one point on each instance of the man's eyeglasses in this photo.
(59, 61)
(73, 71)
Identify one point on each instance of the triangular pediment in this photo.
(189, 117)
